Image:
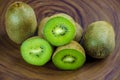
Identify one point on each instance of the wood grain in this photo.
(12, 66)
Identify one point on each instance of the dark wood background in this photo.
(12, 66)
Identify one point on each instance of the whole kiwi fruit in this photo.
(20, 21)
(99, 39)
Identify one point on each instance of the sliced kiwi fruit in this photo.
(59, 29)
(36, 51)
(20, 21)
(69, 57)
(99, 39)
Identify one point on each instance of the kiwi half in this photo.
(20, 21)
(99, 39)
(59, 29)
(36, 51)
(69, 57)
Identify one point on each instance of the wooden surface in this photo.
(12, 66)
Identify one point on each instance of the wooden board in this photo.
(13, 67)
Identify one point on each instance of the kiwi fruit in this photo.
(79, 32)
(59, 29)
(41, 25)
(36, 51)
(20, 21)
(99, 39)
(69, 57)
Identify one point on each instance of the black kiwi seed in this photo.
(37, 55)
(30, 53)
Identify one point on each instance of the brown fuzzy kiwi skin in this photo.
(99, 39)
(20, 22)
(72, 45)
(79, 32)
(79, 29)
(41, 25)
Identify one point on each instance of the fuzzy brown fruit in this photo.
(20, 21)
(99, 39)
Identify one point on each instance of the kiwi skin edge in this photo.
(20, 21)
(99, 39)
(79, 32)
(72, 45)
(79, 29)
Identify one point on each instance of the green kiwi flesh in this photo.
(99, 39)
(69, 57)
(36, 51)
(20, 21)
(59, 31)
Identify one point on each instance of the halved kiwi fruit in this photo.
(59, 29)
(69, 57)
(36, 51)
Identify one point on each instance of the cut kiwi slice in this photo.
(78, 27)
(58, 29)
(69, 57)
(36, 51)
